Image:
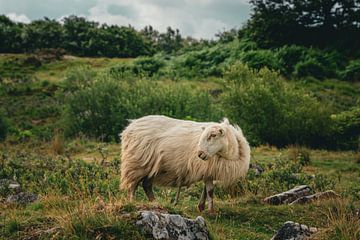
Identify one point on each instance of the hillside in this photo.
(74, 165)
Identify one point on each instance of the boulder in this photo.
(316, 196)
(289, 196)
(22, 198)
(294, 231)
(171, 226)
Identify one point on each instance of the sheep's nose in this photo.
(202, 155)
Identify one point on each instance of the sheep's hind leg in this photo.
(210, 195)
(177, 195)
(201, 205)
(147, 185)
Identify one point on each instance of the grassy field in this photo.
(77, 179)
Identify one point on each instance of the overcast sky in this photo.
(196, 18)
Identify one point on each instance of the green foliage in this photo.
(102, 109)
(140, 67)
(310, 67)
(288, 57)
(282, 175)
(352, 71)
(258, 59)
(200, 63)
(300, 154)
(347, 128)
(273, 111)
(4, 126)
(277, 23)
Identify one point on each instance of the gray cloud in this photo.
(200, 18)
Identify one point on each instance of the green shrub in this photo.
(352, 71)
(4, 126)
(258, 59)
(203, 63)
(102, 109)
(346, 127)
(310, 67)
(79, 77)
(288, 57)
(273, 111)
(147, 65)
(300, 154)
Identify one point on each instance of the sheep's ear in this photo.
(226, 121)
(221, 131)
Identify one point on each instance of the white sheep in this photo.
(170, 152)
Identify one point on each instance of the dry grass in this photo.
(343, 221)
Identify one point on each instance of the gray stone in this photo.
(294, 231)
(22, 198)
(171, 226)
(10, 185)
(258, 169)
(289, 196)
(316, 196)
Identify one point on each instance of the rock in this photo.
(171, 226)
(288, 196)
(258, 169)
(294, 231)
(10, 185)
(316, 196)
(22, 198)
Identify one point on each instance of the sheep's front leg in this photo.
(210, 195)
(201, 205)
(147, 185)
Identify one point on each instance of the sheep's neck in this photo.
(232, 152)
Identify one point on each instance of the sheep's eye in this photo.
(212, 135)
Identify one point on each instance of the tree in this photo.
(42, 34)
(10, 35)
(321, 23)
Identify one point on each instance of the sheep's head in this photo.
(212, 141)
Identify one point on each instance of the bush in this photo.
(258, 59)
(288, 57)
(352, 71)
(310, 67)
(300, 154)
(102, 109)
(147, 65)
(79, 77)
(346, 127)
(272, 111)
(203, 63)
(4, 127)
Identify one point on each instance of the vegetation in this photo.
(68, 89)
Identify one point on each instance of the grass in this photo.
(77, 179)
(106, 215)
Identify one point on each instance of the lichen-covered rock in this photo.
(316, 196)
(289, 196)
(22, 198)
(294, 231)
(258, 169)
(171, 226)
(11, 186)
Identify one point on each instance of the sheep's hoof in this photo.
(201, 207)
(212, 212)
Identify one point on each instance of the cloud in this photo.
(18, 17)
(200, 18)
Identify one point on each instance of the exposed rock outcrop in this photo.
(294, 231)
(171, 226)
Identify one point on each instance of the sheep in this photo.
(159, 150)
